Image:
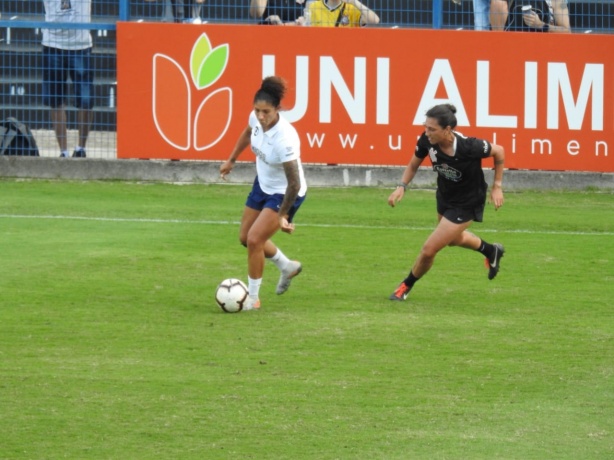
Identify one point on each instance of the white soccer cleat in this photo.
(294, 268)
(251, 303)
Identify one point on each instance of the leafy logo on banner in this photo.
(176, 121)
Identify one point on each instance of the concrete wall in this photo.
(243, 173)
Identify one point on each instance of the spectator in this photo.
(278, 12)
(542, 16)
(340, 13)
(67, 53)
(187, 10)
(481, 13)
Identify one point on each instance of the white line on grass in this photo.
(302, 224)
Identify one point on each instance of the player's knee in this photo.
(253, 242)
(428, 252)
(456, 242)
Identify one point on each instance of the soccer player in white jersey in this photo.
(278, 191)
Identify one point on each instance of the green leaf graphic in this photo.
(212, 66)
(200, 50)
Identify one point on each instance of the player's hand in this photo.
(226, 168)
(496, 197)
(286, 226)
(396, 196)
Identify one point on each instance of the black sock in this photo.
(486, 249)
(410, 280)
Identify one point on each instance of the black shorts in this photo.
(460, 215)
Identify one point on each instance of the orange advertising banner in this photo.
(358, 96)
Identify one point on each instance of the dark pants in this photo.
(185, 9)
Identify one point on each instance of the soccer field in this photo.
(112, 345)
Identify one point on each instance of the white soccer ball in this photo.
(231, 294)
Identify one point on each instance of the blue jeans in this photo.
(481, 14)
(58, 65)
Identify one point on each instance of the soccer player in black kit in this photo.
(461, 192)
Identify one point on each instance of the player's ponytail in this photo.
(445, 114)
(272, 90)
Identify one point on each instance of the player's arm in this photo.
(496, 191)
(294, 185)
(242, 143)
(256, 8)
(410, 171)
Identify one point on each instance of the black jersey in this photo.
(287, 10)
(460, 179)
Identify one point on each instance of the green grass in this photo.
(111, 345)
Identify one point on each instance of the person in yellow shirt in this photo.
(340, 13)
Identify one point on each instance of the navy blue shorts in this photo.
(259, 200)
(58, 65)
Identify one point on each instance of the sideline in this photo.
(303, 224)
(244, 172)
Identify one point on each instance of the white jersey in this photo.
(73, 11)
(278, 145)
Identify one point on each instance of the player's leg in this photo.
(288, 268)
(247, 220)
(467, 240)
(258, 238)
(492, 252)
(444, 234)
(254, 205)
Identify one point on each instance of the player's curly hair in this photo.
(445, 114)
(272, 90)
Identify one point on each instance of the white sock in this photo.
(280, 260)
(253, 287)
(78, 147)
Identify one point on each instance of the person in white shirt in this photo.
(278, 191)
(67, 53)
